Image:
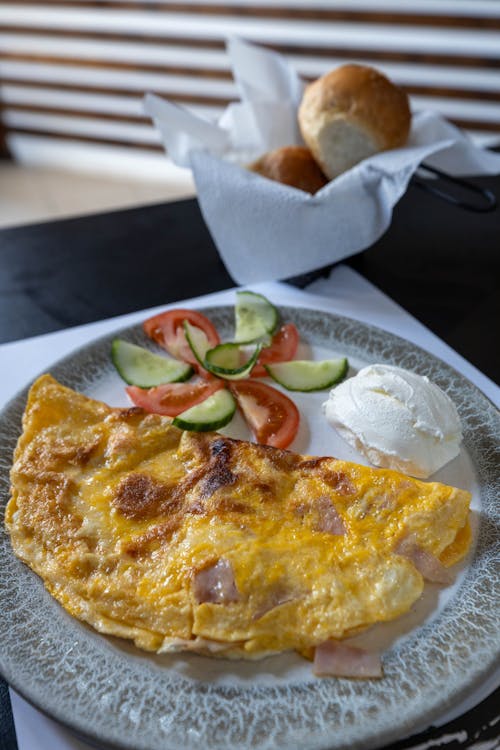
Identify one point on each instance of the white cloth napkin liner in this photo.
(265, 230)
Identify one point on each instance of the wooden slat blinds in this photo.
(77, 69)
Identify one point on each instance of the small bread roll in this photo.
(350, 114)
(291, 165)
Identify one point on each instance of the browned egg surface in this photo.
(183, 540)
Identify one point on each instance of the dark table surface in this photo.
(440, 263)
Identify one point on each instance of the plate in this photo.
(112, 693)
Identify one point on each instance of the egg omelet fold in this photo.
(193, 541)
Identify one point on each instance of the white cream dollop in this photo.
(397, 419)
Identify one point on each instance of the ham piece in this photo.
(330, 521)
(336, 659)
(197, 645)
(216, 584)
(280, 594)
(426, 563)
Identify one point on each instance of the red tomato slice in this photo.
(282, 349)
(167, 330)
(272, 417)
(172, 399)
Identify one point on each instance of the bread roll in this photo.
(350, 114)
(291, 165)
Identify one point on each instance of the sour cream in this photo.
(397, 419)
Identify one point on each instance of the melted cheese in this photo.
(118, 512)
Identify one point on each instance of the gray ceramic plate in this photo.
(110, 692)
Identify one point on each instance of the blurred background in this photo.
(73, 135)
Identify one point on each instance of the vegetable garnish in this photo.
(197, 340)
(173, 398)
(256, 318)
(167, 330)
(139, 366)
(306, 375)
(282, 348)
(212, 414)
(272, 416)
(259, 350)
(230, 361)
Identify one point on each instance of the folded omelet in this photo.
(194, 541)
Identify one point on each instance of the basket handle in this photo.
(488, 202)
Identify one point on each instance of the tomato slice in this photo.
(167, 330)
(272, 417)
(283, 348)
(172, 399)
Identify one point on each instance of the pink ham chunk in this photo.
(425, 562)
(336, 659)
(280, 594)
(215, 584)
(196, 645)
(330, 522)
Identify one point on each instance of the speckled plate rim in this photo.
(41, 659)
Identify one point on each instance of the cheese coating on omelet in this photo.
(193, 541)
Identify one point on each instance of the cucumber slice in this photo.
(212, 414)
(138, 366)
(305, 375)
(197, 340)
(255, 317)
(225, 361)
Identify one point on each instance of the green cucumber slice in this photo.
(138, 366)
(197, 340)
(306, 375)
(255, 317)
(212, 414)
(225, 361)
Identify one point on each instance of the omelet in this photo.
(194, 541)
